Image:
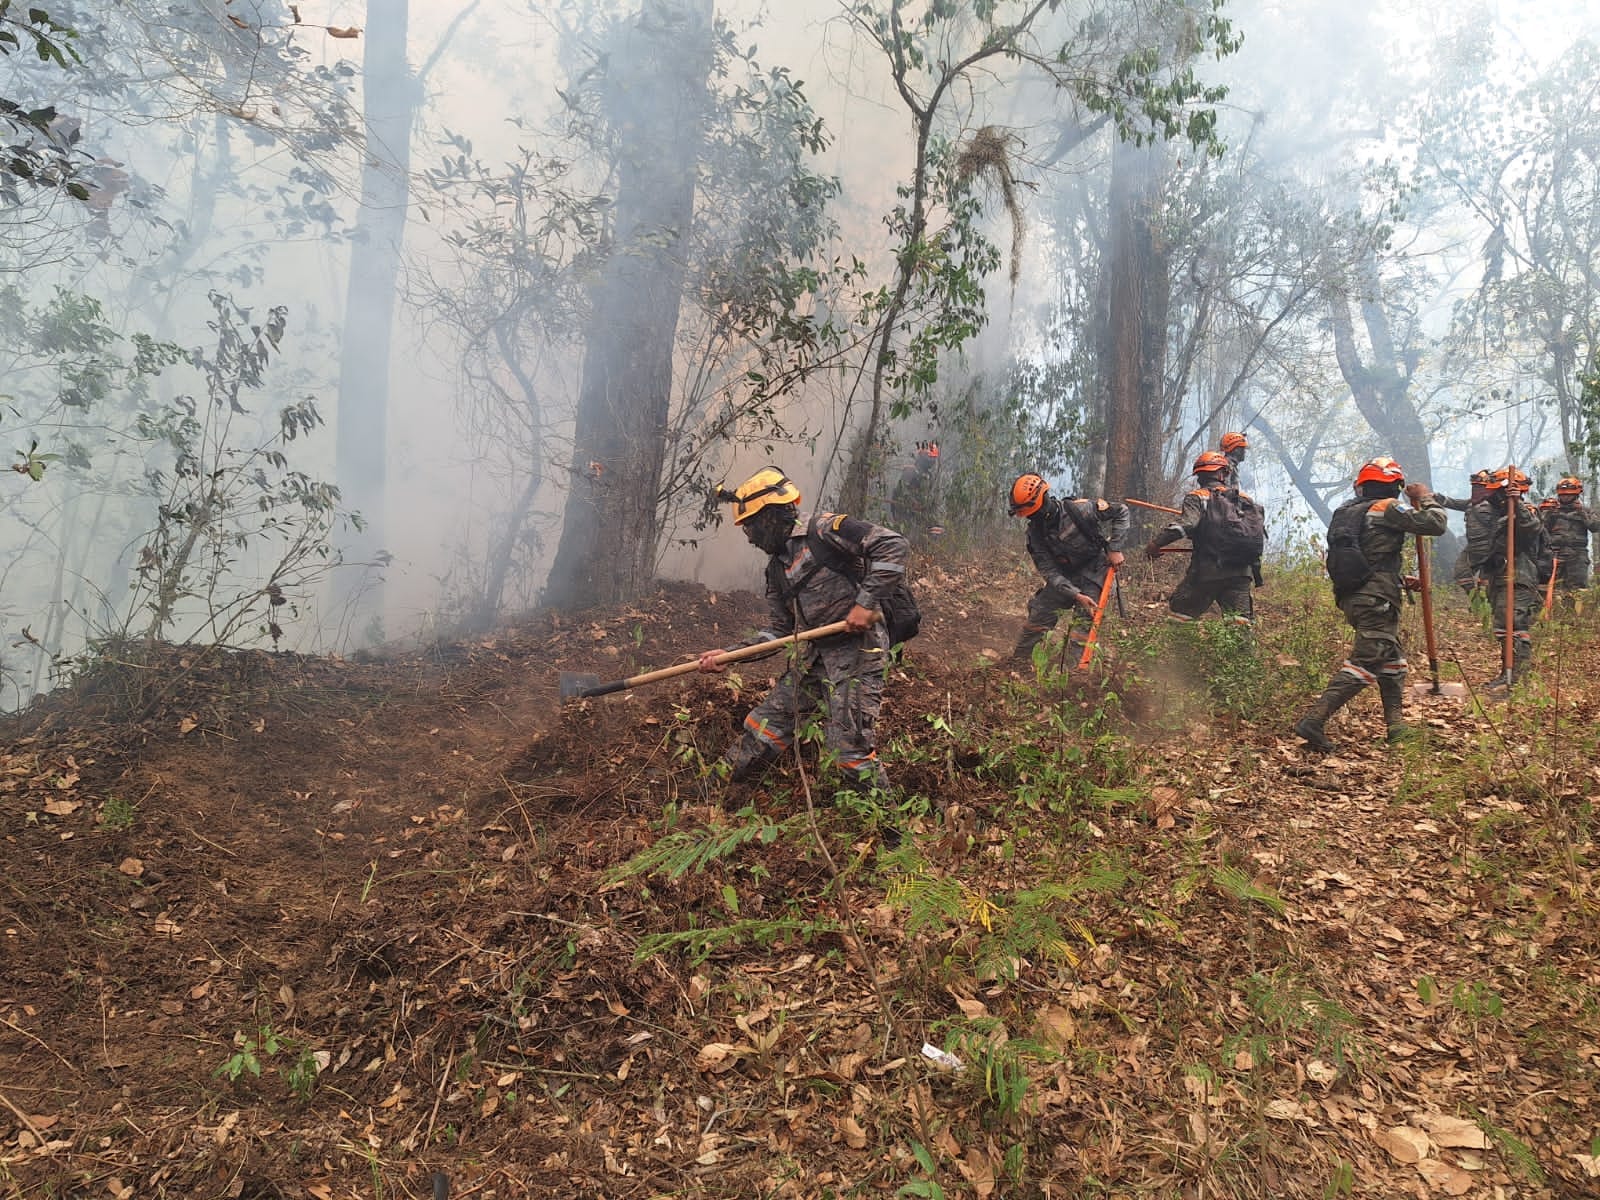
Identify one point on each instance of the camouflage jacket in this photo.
(805, 591)
(1384, 530)
(1486, 542)
(1569, 527)
(1059, 548)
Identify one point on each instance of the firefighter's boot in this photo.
(1339, 692)
(1521, 656)
(1391, 688)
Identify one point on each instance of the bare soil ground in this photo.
(285, 927)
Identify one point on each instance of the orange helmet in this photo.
(1569, 486)
(1234, 441)
(1211, 460)
(931, 450)
(1027, 494)
(1519, 482)
(1550, 502)
(1380, 470)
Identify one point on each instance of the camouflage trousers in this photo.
(1206, 584)
(1049, 603)
(1526, 601)
(840, 677)
(1376, 654)
(1572, 574)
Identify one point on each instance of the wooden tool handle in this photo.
(1425, 579)
(1147, 504)
(727, 656)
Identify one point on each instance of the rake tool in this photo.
(1099, 611)
(579, 687)
(1550, 587)
(1508, 647)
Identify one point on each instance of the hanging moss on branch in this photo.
(989, 155)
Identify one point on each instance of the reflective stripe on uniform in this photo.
(857, 764)
(1361, 673)
(759, 728)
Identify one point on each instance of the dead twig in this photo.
(26, 1120)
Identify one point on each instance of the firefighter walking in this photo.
(1487, 546)
(1365, 539)
(1224, 562)
(1568, 524)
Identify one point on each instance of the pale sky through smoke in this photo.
(1318, 52)
(1330, 79)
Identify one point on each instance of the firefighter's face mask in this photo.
(770, 528)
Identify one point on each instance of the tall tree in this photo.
(655, 99)
(1128, 60)
(1381, 383)
(390, 96)
(1522, 161)
(1137, 287)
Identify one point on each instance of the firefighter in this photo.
(1473, 513)
(914, 502)
(843, 674)
(1507, 487)
(1234, 446)
(1215, 575)
(1375, 524)
(1072, 541)
(1568, 524)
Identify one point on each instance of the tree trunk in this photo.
(390, 97)
(1134, 348)
(655, 99)
(1381, 390)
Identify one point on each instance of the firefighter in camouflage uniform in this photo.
(1379, 524)
(1073, 542)
(842, 675)
(1475, 513)
(1208, 580)
(1568, 524)
(1234, 448)
(1487, 546)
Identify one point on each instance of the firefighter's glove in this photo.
(1412, 583)
(1084, 601)
(1153, 551)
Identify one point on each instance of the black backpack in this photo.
(1348, 566)
(1232, 528)
(902, 617)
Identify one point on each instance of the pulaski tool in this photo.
(579, 687)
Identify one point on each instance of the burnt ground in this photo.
(288, 927)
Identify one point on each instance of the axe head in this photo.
(575, 686)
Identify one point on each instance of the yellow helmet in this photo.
(767, 486)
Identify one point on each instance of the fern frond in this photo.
(688, 850)
(1241, 887)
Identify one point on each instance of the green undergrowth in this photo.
(1045, 930)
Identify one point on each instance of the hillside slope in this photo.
(283, 927)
